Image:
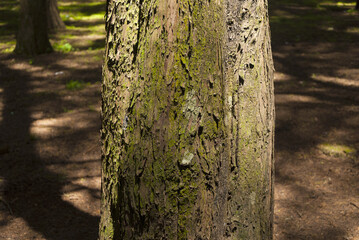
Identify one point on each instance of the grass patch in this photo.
(81, 17)
(89, 29)
(76, 85)
(92, 108)
(337, 150)
(66, 110)
(98, 28)
(67, 36)
(63, 46)
(352, 30)
(8, 49)
(83, 11)
(9, 15)
(97, 58)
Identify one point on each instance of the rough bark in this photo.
(187, 120)
(54, 20)
(32, 37)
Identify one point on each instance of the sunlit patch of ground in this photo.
(49, 123)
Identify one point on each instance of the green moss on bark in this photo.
(182, 146)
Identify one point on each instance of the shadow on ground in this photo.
(317, 104)
(49, 129)
(31, 191)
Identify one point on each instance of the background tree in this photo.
(32, 37)
(187, 121)
(54, 20)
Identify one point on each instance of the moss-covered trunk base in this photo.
(187, 121)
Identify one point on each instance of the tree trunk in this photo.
(54, 20)
(187, 121)
(357, 5)
(32, 37)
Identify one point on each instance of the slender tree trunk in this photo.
(187, 121)
(54, 20)
(357, 5)
(32, 37)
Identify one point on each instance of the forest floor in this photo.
(316, 56)
(50, 121)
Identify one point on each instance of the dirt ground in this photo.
(50, 121)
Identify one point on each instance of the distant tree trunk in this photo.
(187, 121)
(54, 20)
(32, 37)
(357, 5)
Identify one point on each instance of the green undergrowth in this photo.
(89, 29)
(338, 150)
(83, 11)
(67, 110)
(8, 46)
(82, 19)
(63, 46)
(76, 85)
(75, 14)
(9, 14)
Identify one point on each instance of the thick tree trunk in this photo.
(54, 20)
(187, 121)
(32, 37)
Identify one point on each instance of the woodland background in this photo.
(50, 121)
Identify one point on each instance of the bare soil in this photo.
(50, 142)
(317, 141)
(316, 55)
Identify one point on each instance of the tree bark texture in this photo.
(54, 20)
(32, 37)
(187, 120)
